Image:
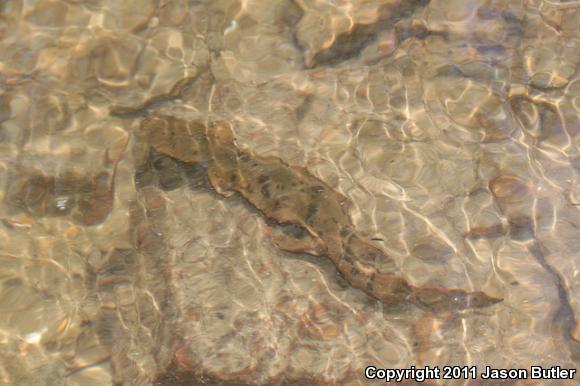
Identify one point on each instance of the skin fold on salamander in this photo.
(311, 217)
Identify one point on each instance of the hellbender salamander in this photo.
(310, 216)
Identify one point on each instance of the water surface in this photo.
(451, 126)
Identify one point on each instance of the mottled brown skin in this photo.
(312, 217)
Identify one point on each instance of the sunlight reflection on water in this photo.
(451, 126)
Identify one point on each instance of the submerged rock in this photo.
(89, 199)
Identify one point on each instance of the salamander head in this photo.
(176, 138)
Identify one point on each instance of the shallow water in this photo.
(451, 126)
